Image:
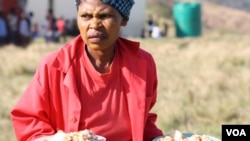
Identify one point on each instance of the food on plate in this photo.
(178, 136)
(84, 135)
(196, 137)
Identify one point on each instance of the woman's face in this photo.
(99, 24)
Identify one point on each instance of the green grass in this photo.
(203, 82)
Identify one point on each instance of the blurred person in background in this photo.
(150, 24)
(24, 30)
(29, 18)
(35, 31)
(98, 81)
(50, 28)
(13, 19)
(61, 26)
(3, 30)
(164, 32)
(47, 29)
(68, 27)
(156, 31)
(55, 32)
(72, 28)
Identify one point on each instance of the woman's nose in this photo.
(95, 23)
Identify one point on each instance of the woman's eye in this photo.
(105, 16)
(86, 16)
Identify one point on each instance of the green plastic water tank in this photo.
(187, 18)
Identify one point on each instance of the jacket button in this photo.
(73, 120)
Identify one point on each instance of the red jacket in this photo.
(51, 100)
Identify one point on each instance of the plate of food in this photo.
(179, 136)
(83, 135)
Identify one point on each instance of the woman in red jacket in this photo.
(98, 81)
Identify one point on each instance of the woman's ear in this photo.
(124, 22)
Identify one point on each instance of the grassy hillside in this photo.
(162, 8)
(215, 15)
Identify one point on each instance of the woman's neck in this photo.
(101, 59)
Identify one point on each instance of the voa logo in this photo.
(236, 132)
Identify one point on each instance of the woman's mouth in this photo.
(96, 38)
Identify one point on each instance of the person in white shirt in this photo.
(156, 31)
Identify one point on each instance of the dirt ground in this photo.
(216, 16)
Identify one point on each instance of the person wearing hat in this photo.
(97, 81)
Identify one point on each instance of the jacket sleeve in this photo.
(30, 115)
(151, 130)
